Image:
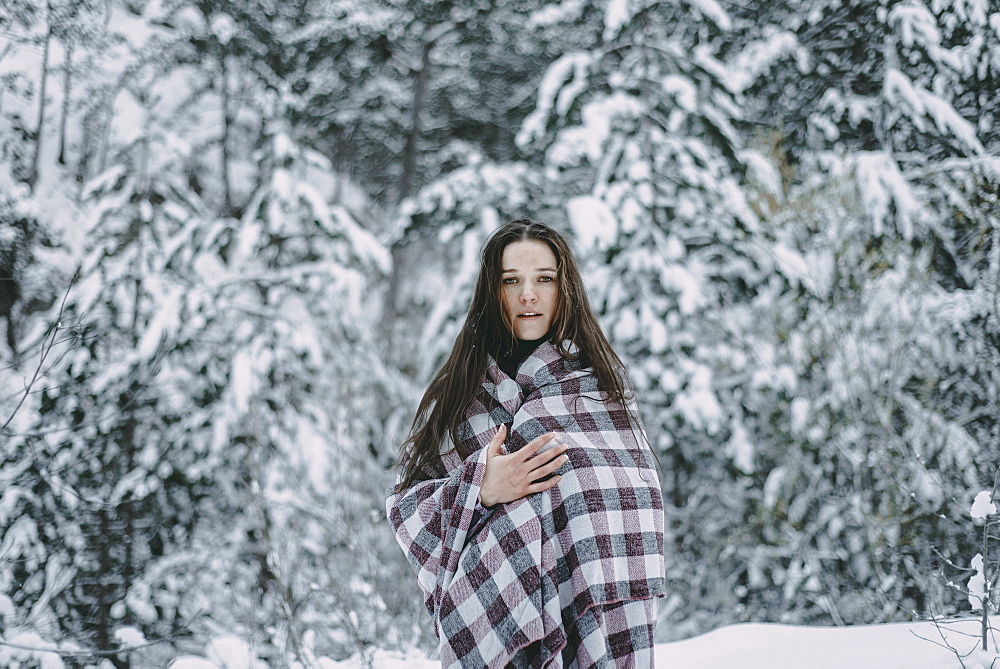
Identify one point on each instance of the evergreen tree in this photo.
(399, 94)
(104, 496)
(290, 299)
(880, 209)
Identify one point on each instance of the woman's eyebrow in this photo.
(540, 269)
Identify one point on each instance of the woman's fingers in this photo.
(535, 444)
(500, 435)
(497, 441)
(540, 460)
(539, 486)
(511, 477)
(549, 467)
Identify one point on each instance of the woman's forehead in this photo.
(527, 255)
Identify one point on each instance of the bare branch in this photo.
(48, 342)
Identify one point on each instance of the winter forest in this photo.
(237, 237)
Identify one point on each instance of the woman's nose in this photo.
(528, 294)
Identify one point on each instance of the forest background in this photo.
(237, 238)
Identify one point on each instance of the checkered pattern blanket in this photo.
(527, 570)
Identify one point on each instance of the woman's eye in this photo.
(509, 281)
(546, 279)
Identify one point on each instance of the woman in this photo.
(526, 503)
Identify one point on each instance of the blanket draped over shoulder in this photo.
(525, 572)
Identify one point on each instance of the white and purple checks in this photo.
(528, 572)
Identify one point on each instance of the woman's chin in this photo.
(530, 331)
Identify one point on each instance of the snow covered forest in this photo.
(238, 236)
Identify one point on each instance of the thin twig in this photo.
(45, 350)
(103, 653)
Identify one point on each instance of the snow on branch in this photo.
(759, 56)
(599, 118)
(920, 103)
(616, 15)
(884, 191)
(983, 506)
(713, 12)
(569, 71)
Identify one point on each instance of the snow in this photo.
(687, 283)
(697, 402)
(791, 263)
(231, 652)
(192, 662)
(771, 646)
(571, 65)
(594, 224)
(764, 172)
(223, 26)
(165, 320)
(976, 586)
(899, 90)
(7, 610)
(682, 90)
(656, 331)
(130, 637)
(24, 647)
(363, 242)
(741, 448)
(983, 505)
(712, 11)
(314, 449)
(599, 118)
(243, 379)
(758, 58)
(883, 188)
(913, 20)
(578, 84)
(772, 487)
(555, 13)
(626, 326)
(224, 652)
(615, 16)
(128, 119)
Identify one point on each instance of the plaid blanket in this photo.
(526, 571)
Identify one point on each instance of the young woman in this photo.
(527, 498)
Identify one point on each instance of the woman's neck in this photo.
(520, 349)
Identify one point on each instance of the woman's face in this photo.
(529, 278)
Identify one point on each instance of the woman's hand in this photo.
(511, 477)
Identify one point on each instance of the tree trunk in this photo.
(107, 592)
(410, 163)
(126, 505)
(33, 174)
(410, 152)
(67, 89)
(226, 122)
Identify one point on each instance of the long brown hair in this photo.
(486, 332)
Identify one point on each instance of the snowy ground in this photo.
(761, 646)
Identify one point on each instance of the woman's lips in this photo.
(529, 316)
